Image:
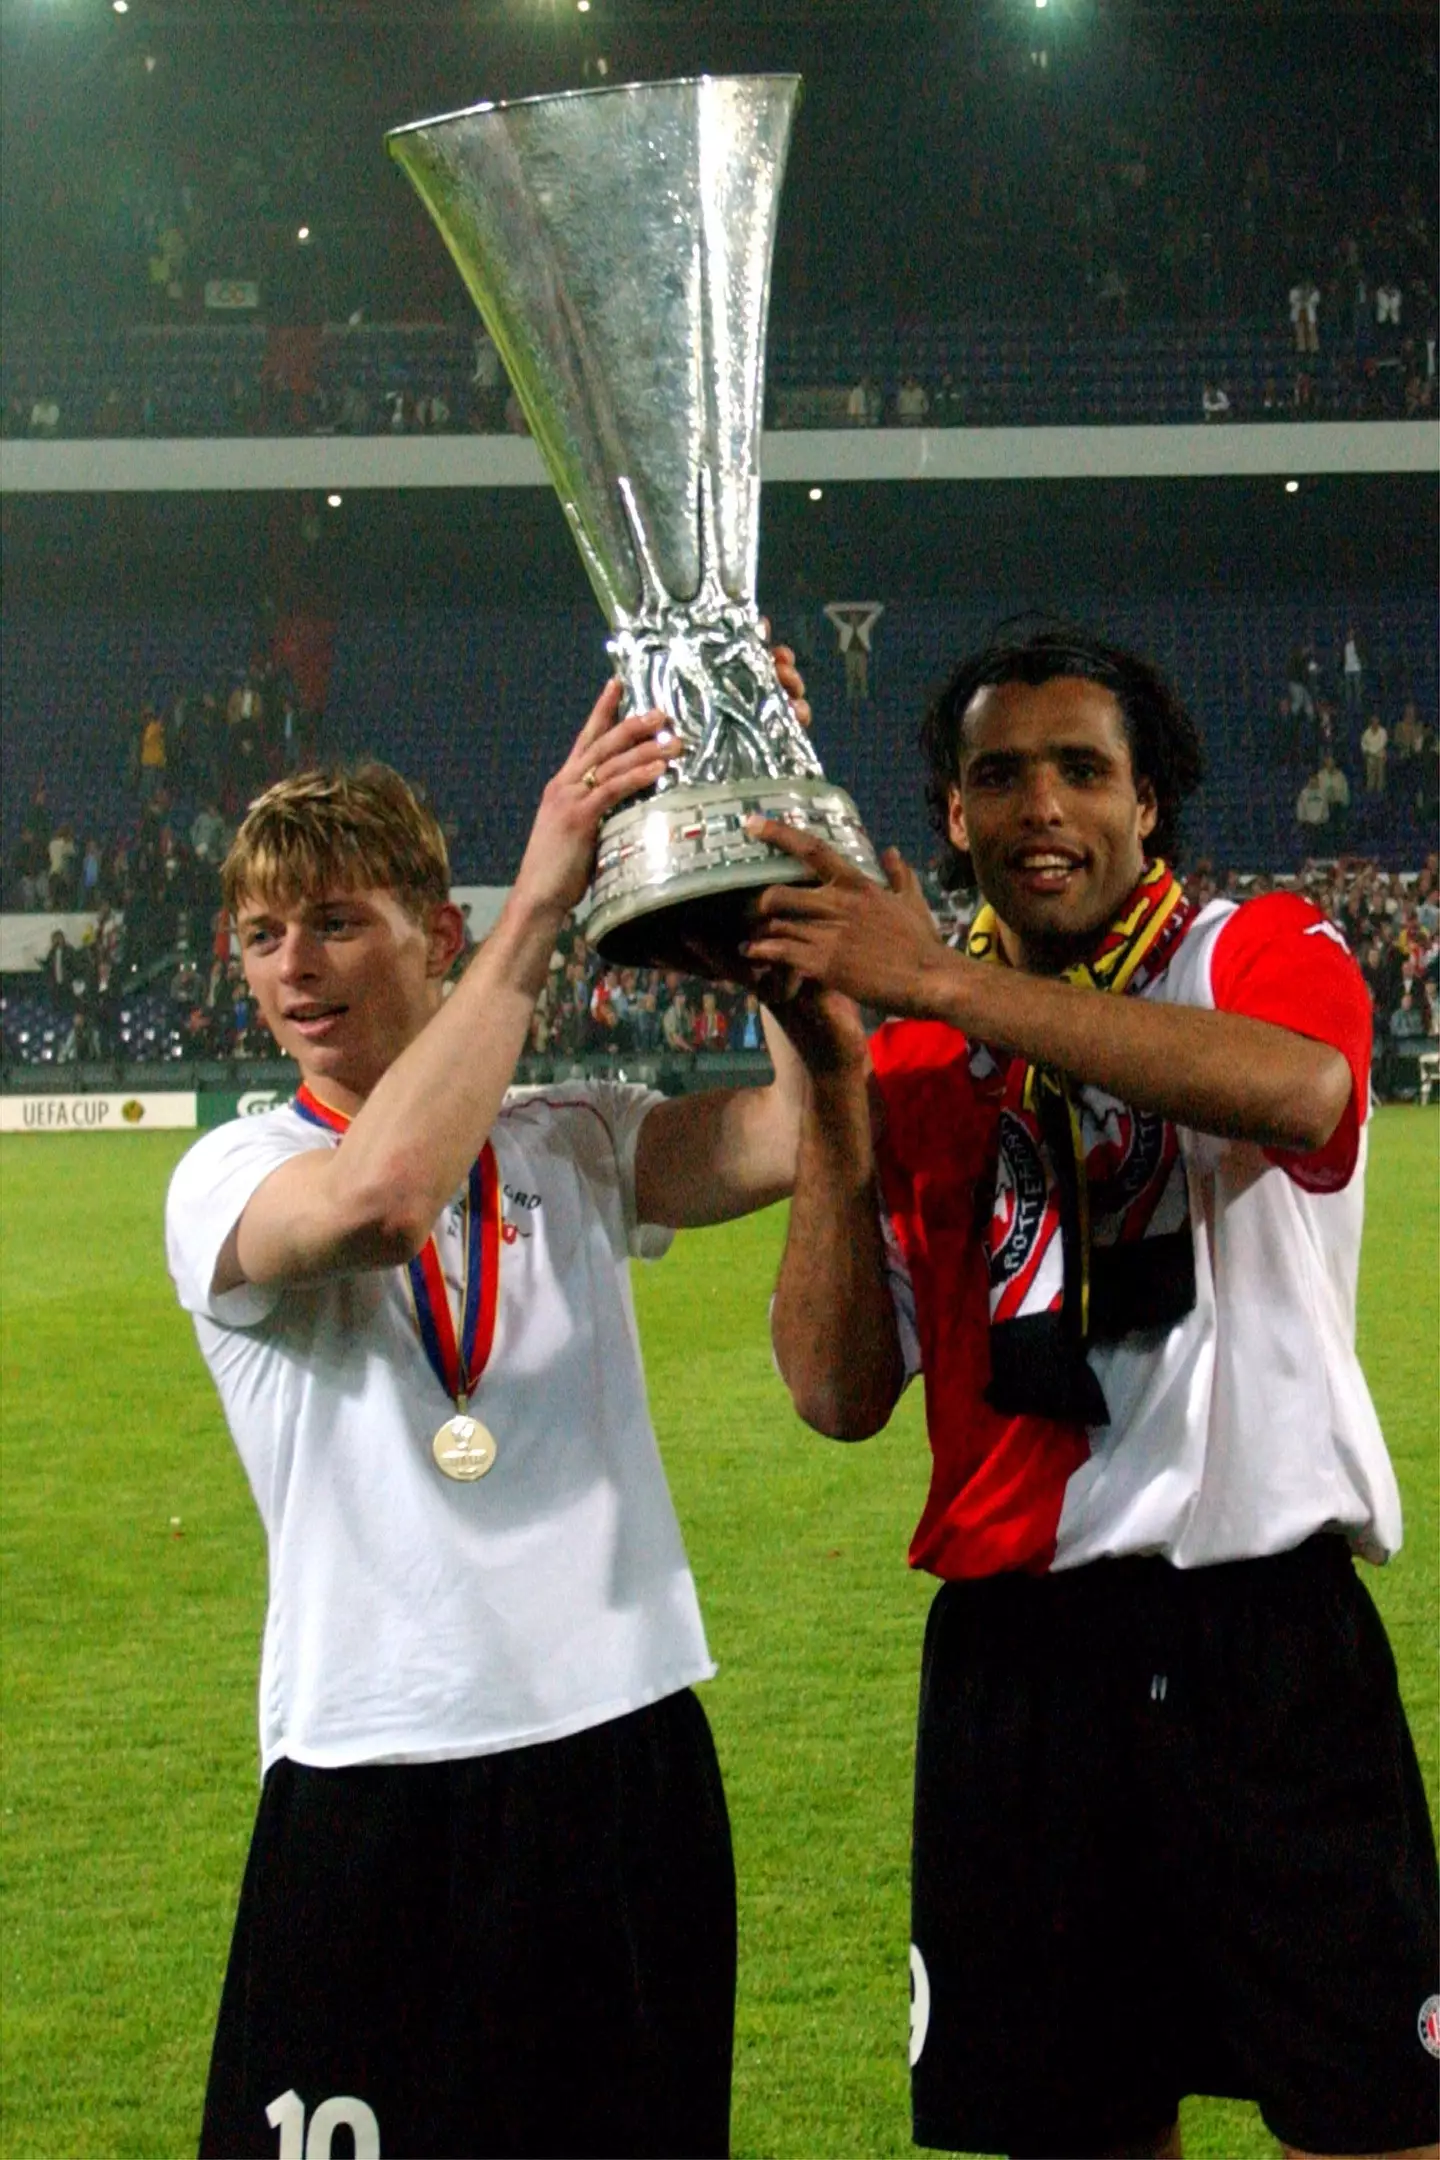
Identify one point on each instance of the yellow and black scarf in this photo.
(1089, 1235)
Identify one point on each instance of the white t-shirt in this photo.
(1248, 1426)
(411, 1618)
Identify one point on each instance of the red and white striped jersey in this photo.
(1241, 1430)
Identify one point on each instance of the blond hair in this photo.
(337, 830)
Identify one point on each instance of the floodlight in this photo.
(816, 493)
(121, 7)
(1292, 487)
(304, 233)
(334, 501)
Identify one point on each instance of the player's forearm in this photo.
(832, 1322)
(412, 1143)
(1216, 1072)
(760, 1132)
(721, 1152)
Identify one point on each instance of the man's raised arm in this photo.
(1218, 1072)
(833, 1322)
(424, 1117)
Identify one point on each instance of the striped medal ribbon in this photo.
(463, 1448)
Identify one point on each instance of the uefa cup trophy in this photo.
(617, 243)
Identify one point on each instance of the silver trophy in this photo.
(617, 243)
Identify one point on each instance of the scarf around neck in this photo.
(1089, 1232)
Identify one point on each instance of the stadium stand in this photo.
(205, 379)
(452, 698)
(1126, 219)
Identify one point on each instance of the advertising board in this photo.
(96, 1113)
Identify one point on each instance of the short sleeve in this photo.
(1279, 959)
(212, 1186)
(610, 1112)
(902, 1297)
(625, 1109)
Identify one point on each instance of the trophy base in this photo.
(676, 873)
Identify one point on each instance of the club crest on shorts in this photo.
(919, 2004)
(1428, 2025)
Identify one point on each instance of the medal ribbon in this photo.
(456, 1365)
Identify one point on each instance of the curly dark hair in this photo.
(1164, 744)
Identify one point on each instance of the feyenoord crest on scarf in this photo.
(1089, 1234)
(617, 243)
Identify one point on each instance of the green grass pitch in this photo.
(130, 1651)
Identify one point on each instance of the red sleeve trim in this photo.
(1279, 959)
(900, 1046)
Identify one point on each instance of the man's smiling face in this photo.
(1048, 807)
(343, 982)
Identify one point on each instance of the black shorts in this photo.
(1170, 1838)
(524, 1953)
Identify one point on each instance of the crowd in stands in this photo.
(1203, 179)
(106, 998)
(1115, 177)
(1390, 921)
(158, 944)
(368, 379)
(98, 1001)
(189, 769)
(1104, 196)
(116, 993)
(1393, 928)
(151, 887)
(154, 970)
(1340, 744)
(1353, 759)
(957, 375)
(588, 1010)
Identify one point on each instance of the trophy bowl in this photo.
(617, 243)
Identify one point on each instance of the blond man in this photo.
(489, 1905)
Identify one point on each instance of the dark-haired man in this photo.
(1105, 1193)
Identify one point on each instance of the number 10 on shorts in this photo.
(344, 2111)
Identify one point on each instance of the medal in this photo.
(463, 1448)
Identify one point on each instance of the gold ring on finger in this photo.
(590, 779)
